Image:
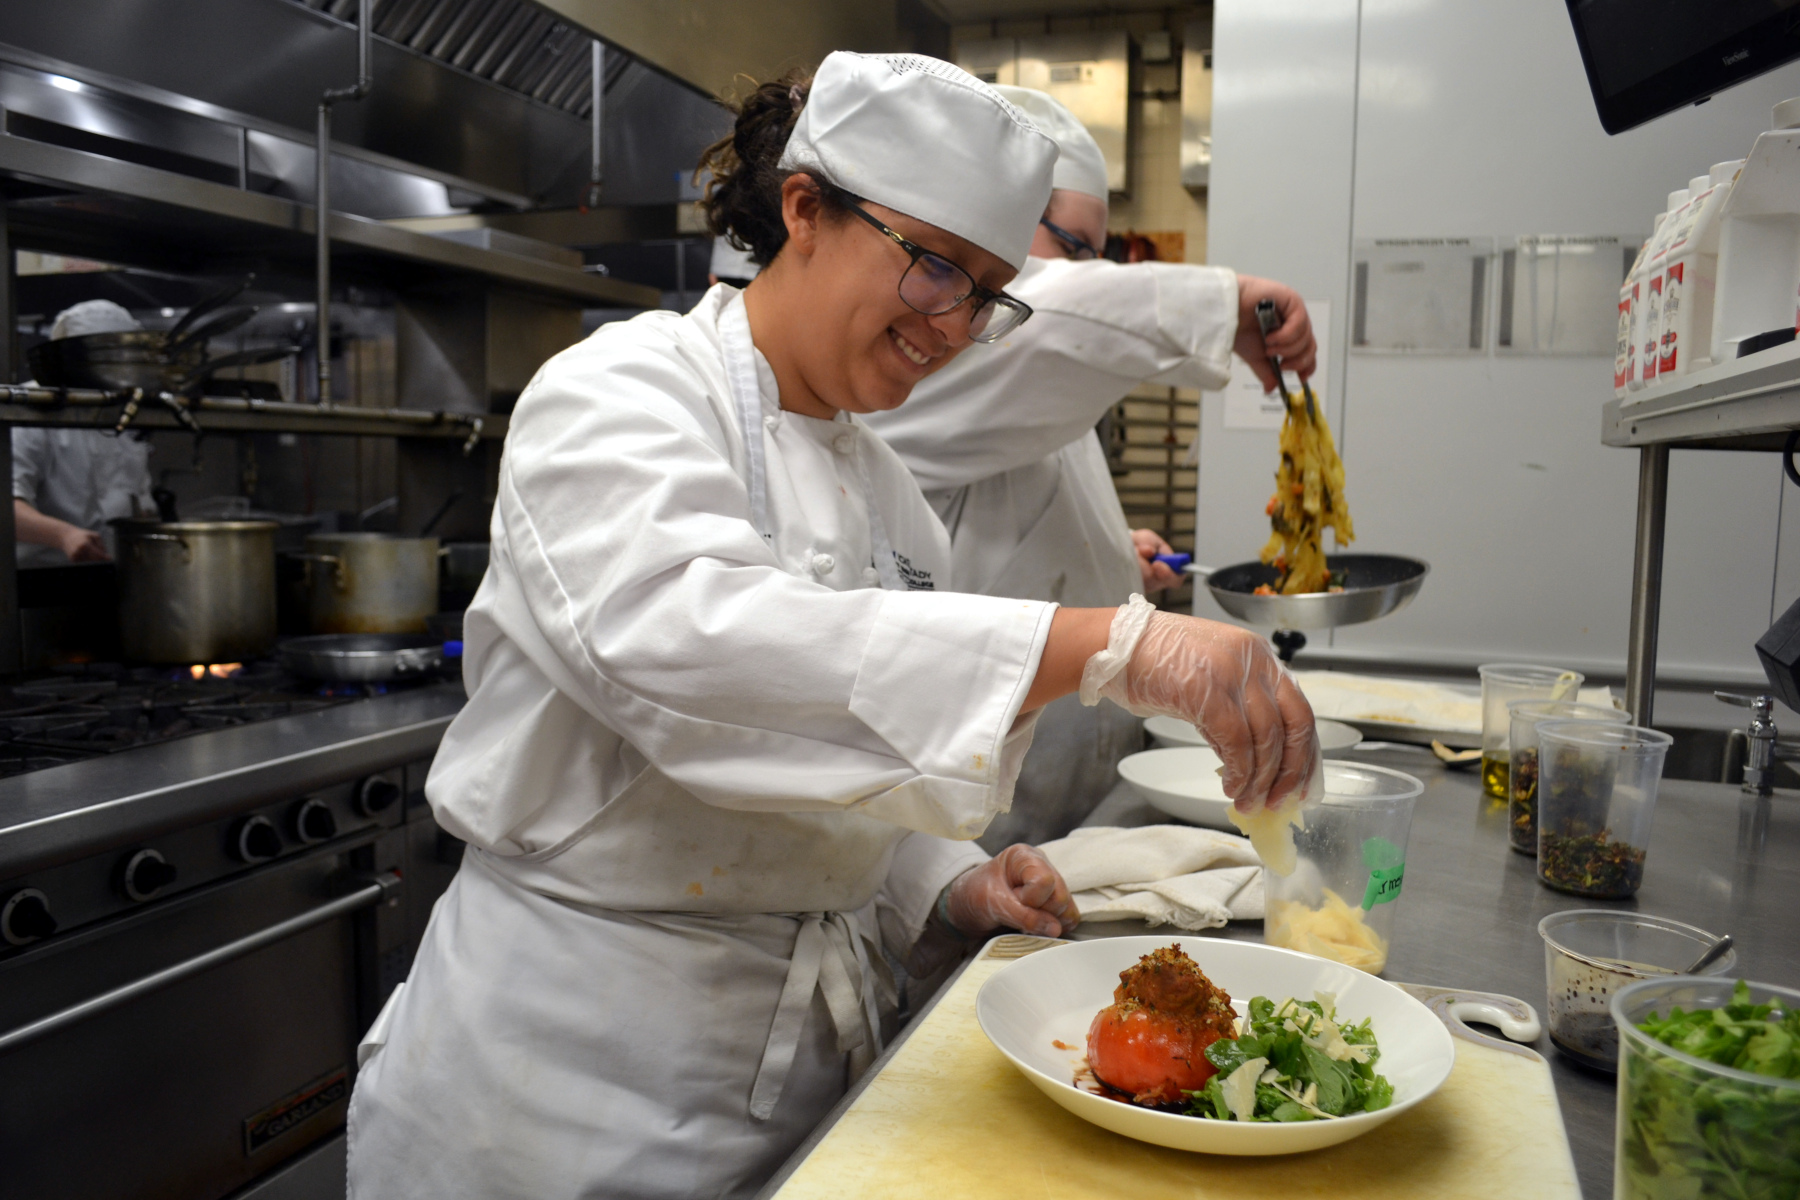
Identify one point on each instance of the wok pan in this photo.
(1374, 586)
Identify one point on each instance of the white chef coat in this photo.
(1002, 441)
(82, 476)
(698, 734)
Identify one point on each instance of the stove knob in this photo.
(26, 917)
(147, 873)
(255, 840)
(375, 794)
(314, 822)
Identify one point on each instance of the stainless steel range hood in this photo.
(489, 95)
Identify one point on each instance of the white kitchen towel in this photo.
(1160, 874)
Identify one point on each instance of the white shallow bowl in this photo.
(1182, 781)
(1029, 1005)
(1334, 736)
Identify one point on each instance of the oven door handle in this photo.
(374, 892)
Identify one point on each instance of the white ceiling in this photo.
(962, 11)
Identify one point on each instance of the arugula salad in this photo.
(1689, 1133)
(1293, 1062)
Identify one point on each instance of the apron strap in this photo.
(828, 958)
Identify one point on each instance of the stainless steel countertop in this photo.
(64, 813)
(1467, 917)
(1468, 914)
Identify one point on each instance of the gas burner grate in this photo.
(91, 709)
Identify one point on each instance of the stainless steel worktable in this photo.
(1468, 915)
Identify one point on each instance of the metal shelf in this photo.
(1747, 404)
(84, 203)
(83, 408)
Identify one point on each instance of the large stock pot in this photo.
(195, 591)
(370, 582)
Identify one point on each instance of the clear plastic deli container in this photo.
(1522, 767)
(1691, 1124)
(1350, 862)
(1590, 954)
(1597, 788)
(1501, 684)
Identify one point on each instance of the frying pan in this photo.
(1374, 586)
(362, 657)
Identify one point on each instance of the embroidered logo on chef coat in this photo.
(917, 579)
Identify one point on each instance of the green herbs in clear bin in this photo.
(1694, 1134)
(1293, 1063)
(1521, 808)
(1591, 864)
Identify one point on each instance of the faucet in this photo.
(1755, 746)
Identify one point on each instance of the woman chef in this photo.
(727, 727)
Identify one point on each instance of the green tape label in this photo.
(1387, 871)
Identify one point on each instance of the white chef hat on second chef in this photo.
(92, 316)
(728, 262)
(930, 140)
(1080, 167)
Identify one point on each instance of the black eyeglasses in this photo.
(1077, 246)
(933, 285)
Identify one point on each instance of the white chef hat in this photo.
(92, 316)
(1080, 167)
(930, 140)
(728, 262)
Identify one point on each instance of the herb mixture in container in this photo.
(1709, 1090)
(1526, 716)
(1596, 799)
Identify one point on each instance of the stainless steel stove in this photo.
(80, 711)
(208, 886)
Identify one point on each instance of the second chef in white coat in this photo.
(1003, 442)
(727, 730)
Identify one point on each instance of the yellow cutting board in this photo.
(949, 1117)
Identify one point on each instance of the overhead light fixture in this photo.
(65, 83)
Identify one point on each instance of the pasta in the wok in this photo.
(1308, 500)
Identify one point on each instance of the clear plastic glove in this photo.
(1016, 889)
(1228, 682)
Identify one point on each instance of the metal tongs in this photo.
(1269, 320)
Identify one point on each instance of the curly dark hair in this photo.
(743, 194)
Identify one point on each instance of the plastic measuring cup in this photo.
(1522, 770)
(1501, 684)
(1351, 860)
(1592, 953)
(1596, 799)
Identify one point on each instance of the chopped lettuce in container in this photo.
(1689, 1133)
(1293, 1062)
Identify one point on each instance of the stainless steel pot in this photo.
(196, 591)
(370, 582)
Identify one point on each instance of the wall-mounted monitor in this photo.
(1648, 57)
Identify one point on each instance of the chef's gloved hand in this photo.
(1225, 680)
(1016, 889)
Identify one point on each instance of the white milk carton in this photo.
(1690, 272)
(1650, 328)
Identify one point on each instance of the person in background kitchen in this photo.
(729, 731)
(1003, 442)
(68, 483)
